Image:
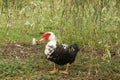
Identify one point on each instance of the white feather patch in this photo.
(65, 46)
(50, 47)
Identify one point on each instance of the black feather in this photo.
(62, 56)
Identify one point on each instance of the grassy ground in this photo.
(23, 61)
(93, 25)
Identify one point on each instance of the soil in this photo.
(23, 50)
(20, 49)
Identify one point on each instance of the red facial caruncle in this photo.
(45, 36)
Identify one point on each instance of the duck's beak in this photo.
(42, 39)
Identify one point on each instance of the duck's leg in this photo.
(54, 69)
(66, 70)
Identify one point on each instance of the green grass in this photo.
(88, 25)
(94, 25)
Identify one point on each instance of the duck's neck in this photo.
(52, 43)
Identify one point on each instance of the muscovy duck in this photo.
(60, 54)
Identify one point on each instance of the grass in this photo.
(36, 67)
(93, 25)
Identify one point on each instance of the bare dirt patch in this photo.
(20, 49)
(24, 50)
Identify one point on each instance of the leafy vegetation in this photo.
(93, 24)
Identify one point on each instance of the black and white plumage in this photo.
(60, 54)
(64, 54)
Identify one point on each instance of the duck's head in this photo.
(48, 36)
